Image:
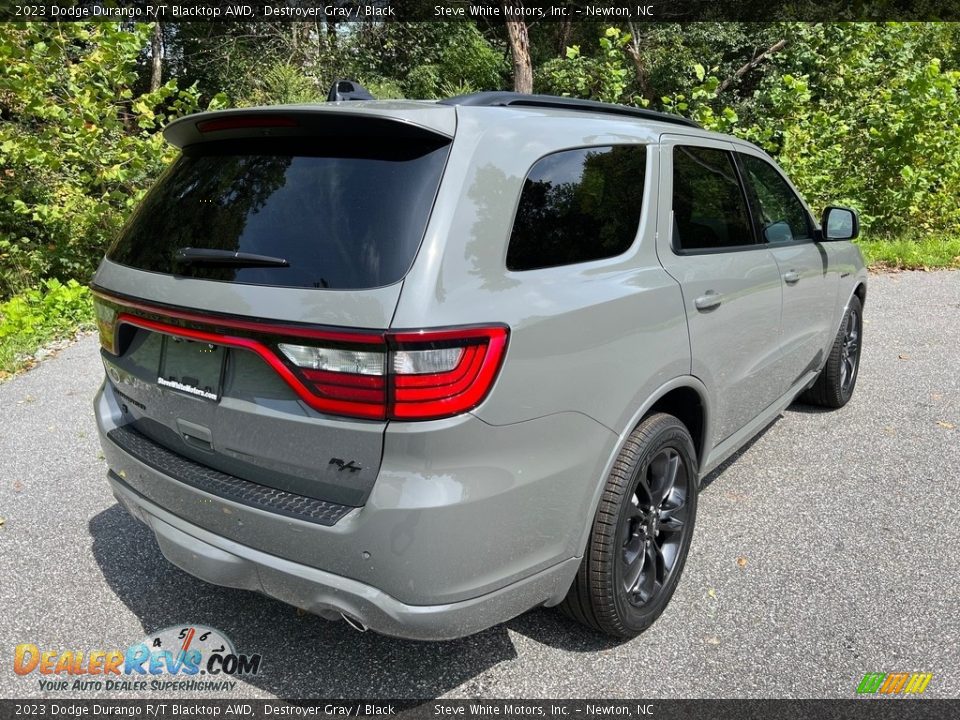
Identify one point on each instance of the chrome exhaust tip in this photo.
(353, 622)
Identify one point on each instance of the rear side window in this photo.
(578, 205)
(778, 211)
(709, 208)
(345, 216)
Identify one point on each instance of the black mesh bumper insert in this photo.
(223, 485)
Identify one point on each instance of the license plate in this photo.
(192, 368)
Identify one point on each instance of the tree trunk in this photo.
(520, 50)
(563, 37)
(634, 50)
(156, 50)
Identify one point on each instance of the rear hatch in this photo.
(242, 310)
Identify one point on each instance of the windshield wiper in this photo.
(211, 256)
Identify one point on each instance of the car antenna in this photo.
(348, 90)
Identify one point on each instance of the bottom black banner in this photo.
(908, 709)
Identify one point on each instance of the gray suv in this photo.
(427, 365)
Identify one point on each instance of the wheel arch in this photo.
(861, 292)
(676, 398)
(687, 405)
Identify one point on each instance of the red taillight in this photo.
(240, 122)
(422, 375)
(452, 391)
(405, 375)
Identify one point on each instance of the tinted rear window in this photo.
(577, 206)
(342, 217)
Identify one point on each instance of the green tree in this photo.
(78, 144)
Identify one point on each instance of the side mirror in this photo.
(839, 223)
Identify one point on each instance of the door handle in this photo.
(791, 278)
(708, 301)
(195, 435)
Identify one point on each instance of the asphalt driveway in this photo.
(828, 549)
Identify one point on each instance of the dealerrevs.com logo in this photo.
(178, 658)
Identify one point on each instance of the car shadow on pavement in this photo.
(715, 474)
(552, 628)
(304, 656)
(801, 407)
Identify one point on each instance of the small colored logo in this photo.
(894, 683)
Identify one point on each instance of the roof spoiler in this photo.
(322, 120)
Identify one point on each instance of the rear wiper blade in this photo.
(211, 256)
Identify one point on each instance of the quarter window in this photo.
(577, 206)
(709, 208)
(779, 213)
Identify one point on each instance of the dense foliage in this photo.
(78, 144)
(34, 317)
(862, 114)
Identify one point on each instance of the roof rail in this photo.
(514, 99)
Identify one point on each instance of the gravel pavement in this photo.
(829, 548)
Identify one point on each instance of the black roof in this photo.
(514, 99)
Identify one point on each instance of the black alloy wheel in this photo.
(641, 532)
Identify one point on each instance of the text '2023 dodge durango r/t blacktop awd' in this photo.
(427, 365)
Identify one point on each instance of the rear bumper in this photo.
(224, 562)
(467, 525)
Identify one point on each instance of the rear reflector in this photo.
(392, 375)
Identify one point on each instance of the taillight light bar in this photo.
(389, 375)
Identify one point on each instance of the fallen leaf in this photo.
(711, 593)
(301, 612)
(17, 486)
(742, 562)
(889, 430)
(713, 640)
(945, 424)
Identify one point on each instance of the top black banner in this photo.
(530, 11)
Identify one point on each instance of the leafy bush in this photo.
(31, 319)
(423, 83)
(282, 83)
(869, 115)
(912, 251)
(604, 77)
(78, 145)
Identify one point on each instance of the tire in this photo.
(835, 383)
(625, 529)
